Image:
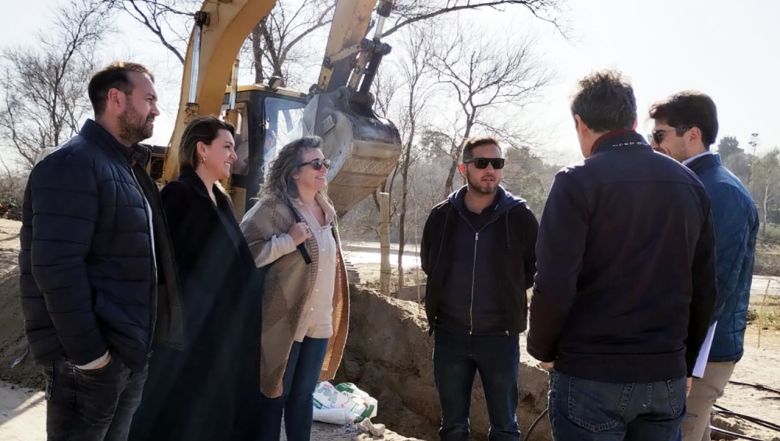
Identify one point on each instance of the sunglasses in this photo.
(497, 163)
(317, 164)
(658, 135)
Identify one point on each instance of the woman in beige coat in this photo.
(292, 229)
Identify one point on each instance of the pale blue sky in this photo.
(728, 49)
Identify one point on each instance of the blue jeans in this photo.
(296, 403)
(456, 359)
(586, 410)
(94, 405)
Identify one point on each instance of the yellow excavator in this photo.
(362, 147)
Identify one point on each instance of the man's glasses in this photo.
(317, 164)
(658, 135)
(497, 163)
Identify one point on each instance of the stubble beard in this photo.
(482, 188)
(130, 130)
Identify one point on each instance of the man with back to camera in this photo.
(625, 280)
(478, 252)
(686, 125)
(95, 259)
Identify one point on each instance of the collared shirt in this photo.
(317, 318)
(695, 157)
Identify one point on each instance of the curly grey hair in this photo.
(279, 178)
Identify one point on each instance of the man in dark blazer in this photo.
(625, 279)
(95, 260)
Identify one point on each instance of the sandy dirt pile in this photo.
(12, 343)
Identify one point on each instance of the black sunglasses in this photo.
(317, 164)
(497, 163)
(658, 135)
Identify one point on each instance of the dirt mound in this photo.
(12, 342)
(389, 355)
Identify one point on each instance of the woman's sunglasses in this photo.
(317, 164)
(497, 163)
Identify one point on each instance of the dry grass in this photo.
(764, 312)
(763, 329)
(764, 309)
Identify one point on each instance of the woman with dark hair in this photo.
(208, 390)
(292, 231)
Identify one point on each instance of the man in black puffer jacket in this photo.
(96, 263)
(478, 252)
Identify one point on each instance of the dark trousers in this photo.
(95, 405)
(456, 360)
(296, 403)
(586, 410)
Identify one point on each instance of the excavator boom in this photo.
(220, 29)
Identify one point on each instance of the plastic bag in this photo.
(343, 403)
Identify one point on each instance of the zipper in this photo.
(473, 277)
(473, 268)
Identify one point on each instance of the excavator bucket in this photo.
(362, 147)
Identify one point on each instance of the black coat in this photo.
(625, 280)
(87, 268)
(209, 390)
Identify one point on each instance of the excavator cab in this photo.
(268, 119)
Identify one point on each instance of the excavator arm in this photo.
(221, 26)
(363, 147)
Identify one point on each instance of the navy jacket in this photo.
(89, 279)
(735, 218)
(478, 276)
(625, 281)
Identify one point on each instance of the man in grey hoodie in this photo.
(478, 252)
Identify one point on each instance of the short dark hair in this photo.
(201, 129)
(689, 109)
(605, 101)
(113, 76)
(476, 141)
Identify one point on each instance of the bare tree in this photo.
(168, 20)
(407, 12)
(484, 76)
(415, 68)
(44, 89)
(765, 185)
(276, 39)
